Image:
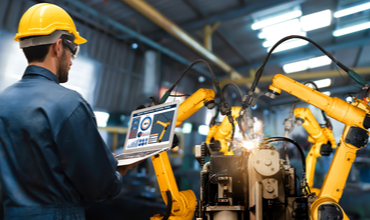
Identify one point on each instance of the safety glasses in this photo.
(74, 48)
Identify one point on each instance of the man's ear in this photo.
(57, 48)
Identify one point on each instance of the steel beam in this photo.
(154, 15)
(96, 19)
(298, 76)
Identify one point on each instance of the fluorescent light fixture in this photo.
(323, 83)
(352, 10)
(270, 43)
(287, 27)
(289, 45)
(277, 19)
(351, 29)
(327, 93)
(186, 128)
(203, 129)
(306, 64)
(319, 61)
(296, 66)
(101, 118)
(316, 20)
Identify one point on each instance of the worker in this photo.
(51, 153)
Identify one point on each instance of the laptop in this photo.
(150, 132)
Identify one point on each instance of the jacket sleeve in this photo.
(85, 158)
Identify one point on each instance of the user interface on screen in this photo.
(151, 127)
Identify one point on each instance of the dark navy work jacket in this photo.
(51, 154)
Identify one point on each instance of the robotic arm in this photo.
(322, 139)
(218, 134)
(356, 118)
(180, 204)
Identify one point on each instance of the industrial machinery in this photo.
(218, 135)
(322, 139)
(356, 118)
(254, 185)
(180, 204)
(258, 184)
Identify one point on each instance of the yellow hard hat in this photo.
(44, 19)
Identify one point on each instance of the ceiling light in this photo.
(289, 45)
(270, 43)
(296, 66)
(277, 19)
(319, 61)
(305, 64)
(352, 10)
(323, 83)
(316, 20)
(292, 26)
(351, 29)
(326, 93)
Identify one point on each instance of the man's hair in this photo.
(36, 53)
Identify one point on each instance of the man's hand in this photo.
(123, 169)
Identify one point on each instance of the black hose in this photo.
(232, 84)
(260, 70)
(215, 81)
(169, 206)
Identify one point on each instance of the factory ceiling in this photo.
(235, 41)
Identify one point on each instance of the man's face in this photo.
(64, 65)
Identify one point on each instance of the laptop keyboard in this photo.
(137, 154)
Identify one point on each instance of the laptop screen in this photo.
(152, 127)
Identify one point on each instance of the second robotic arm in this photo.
(321, 138)
(356, 118)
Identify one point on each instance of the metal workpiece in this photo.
(266, 162)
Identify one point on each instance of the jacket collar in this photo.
(41, 71)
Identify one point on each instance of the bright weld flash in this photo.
(249, 144)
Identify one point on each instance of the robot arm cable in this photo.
(215, 81)
(248, 99)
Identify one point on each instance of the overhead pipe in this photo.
(155, 16)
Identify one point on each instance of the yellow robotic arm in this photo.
(319, 137)
(182, 202)
(219, 133)
(355, 135)
(165, 126)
